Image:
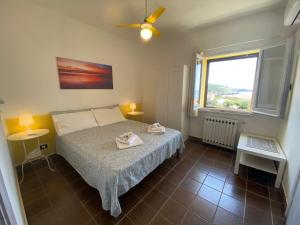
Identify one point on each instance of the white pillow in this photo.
(70, 122)
(108, 116)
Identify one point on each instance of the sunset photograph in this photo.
(75, 74)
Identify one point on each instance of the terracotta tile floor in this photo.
(197, 188)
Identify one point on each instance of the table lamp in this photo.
(132, 106)
(26, 120)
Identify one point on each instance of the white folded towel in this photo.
(156, 128)
(134, 141)
(127, 138)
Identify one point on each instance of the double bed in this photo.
(94, 154)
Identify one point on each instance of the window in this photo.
(256, 81)
(230, 82)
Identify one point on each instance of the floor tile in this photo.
(232, 205)
(278, 220)
(203, 209)
(193, 219)
(236, 181)
(155, 199)
(75, 216)
(173, 211)
(141, 189)
(210, 154)
(214, 183)
(190, 185)
(106, 219)
(126, 221)
(278, 209)
(257, 201)
(223, 217)
(78, 184)
(225, 157)
(29, 184)
(258, 189)
(234, 191)
(162, 170)
(276, 195)
(37, 206)
(63, 197)
(94, 206)
(160, 220)
(152, 179)
(141, 214)
(218, 173)
(47, 217)
(197, 175)
(184, 197)
(174, 177)
(87, 193)
(254, 216)
(165, 187)
(32, 196)
(221, 165)
(209, 194)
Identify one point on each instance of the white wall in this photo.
(31, 39)
(267, 27)
(289, 135)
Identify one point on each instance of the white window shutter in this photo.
(195, 85)
(272, 80)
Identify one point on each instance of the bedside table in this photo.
(34, 154)
(139, 116)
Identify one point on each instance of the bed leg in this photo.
(178, 153)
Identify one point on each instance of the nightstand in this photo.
(139, 116)
(34, 154)
(260, 153)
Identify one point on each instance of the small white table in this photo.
(135, 113)
(138, 116)
(34, 154)
(260, 153)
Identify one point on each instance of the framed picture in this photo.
(75, 74)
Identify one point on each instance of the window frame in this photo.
(237, 56)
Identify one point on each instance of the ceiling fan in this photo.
(147, 28)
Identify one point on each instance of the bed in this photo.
(93, 153)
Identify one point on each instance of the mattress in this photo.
(94, 154)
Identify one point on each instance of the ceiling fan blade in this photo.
(155, 31)
(154, 16)
(137, 25)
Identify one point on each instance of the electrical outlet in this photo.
(43, 146)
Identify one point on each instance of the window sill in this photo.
(223, 111)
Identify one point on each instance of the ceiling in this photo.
(180, 16)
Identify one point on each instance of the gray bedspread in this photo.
(94, 154)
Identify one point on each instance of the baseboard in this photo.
(283, 192)
(195, 139)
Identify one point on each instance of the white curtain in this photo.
(195, 84)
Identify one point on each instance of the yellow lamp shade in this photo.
(132, 106)
(26, 120)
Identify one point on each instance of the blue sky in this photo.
(233, 73)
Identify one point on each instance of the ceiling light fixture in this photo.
(147, 28)
(146, 32)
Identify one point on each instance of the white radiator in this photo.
(219, 131)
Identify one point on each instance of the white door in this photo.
(175, 75)
(9, 188)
